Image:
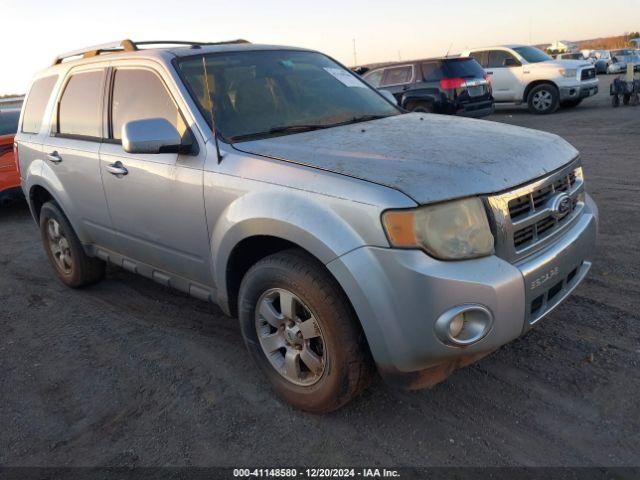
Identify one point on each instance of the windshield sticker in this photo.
(345, 77)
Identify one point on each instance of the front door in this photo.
(155, 200)
(506, 78)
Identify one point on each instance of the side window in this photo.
(497, 58)
(79, 112)
(397, 75)
(36, 103)
(432, 71)
(480, 57)
(140, 94)
(374, 78)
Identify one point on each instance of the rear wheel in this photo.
(571, 103)
(543, 99)
(422, 107)
(300, 330)
(73, 266)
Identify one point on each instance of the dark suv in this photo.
(453, 86)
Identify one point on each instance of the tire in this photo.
(64, 250)
(422, 107)
(571, 103)
(543, 99)
(342, 365)
(615, 101)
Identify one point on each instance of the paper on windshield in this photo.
(345, 77)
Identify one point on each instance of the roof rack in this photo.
(131, 46)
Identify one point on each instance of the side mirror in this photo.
(389, 96)
(511, 62)
(151, 135)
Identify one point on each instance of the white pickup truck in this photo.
(521, 73)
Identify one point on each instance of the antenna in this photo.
(210, 105)
(448, 50)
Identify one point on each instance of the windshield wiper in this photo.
(304, 128)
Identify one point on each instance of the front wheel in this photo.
(543, 99)
(300, 330)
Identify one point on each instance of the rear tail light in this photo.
(16, 158)
(452, 83)
(488, 80)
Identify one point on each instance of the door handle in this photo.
(117, 169)
(54, 157)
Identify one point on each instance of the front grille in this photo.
(588, 74)
(529, 204)
(525, 219)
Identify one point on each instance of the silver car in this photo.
(343, 233)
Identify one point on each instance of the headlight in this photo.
(569, 72)
(449, 231)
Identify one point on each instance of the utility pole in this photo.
(530, 29)
(355, 56)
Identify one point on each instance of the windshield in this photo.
(9, 122)
(274, 92)
(532, 54)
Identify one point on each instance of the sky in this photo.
(33, 32)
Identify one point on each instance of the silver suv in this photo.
(344, 233)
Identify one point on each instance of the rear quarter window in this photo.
(433, 71)
(36, 103)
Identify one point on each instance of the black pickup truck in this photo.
(453, 86)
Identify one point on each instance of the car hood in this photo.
(430, 158)
(562, 64)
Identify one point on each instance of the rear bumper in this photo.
(477, 110)
(400, 294)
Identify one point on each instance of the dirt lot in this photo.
(129, 373)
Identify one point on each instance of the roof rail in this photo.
(130, 46)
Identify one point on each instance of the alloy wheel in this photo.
(59, 246)
(542, 100)
(290, 337)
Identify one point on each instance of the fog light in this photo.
(464, 325)
(456, 325)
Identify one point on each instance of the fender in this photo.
(289, 215)
(430, 95)
(40, 174)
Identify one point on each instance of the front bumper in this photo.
(399, 294)
(578, 90)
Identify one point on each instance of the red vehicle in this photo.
(9, 173)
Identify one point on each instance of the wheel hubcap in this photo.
(290, 337)
(59, 246)
(542, 100)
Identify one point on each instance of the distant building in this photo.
(635, 42)
(563, 46)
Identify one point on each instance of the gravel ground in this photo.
(129, 373)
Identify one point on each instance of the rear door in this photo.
(71, 153)
(398, 79)
(157, 207)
